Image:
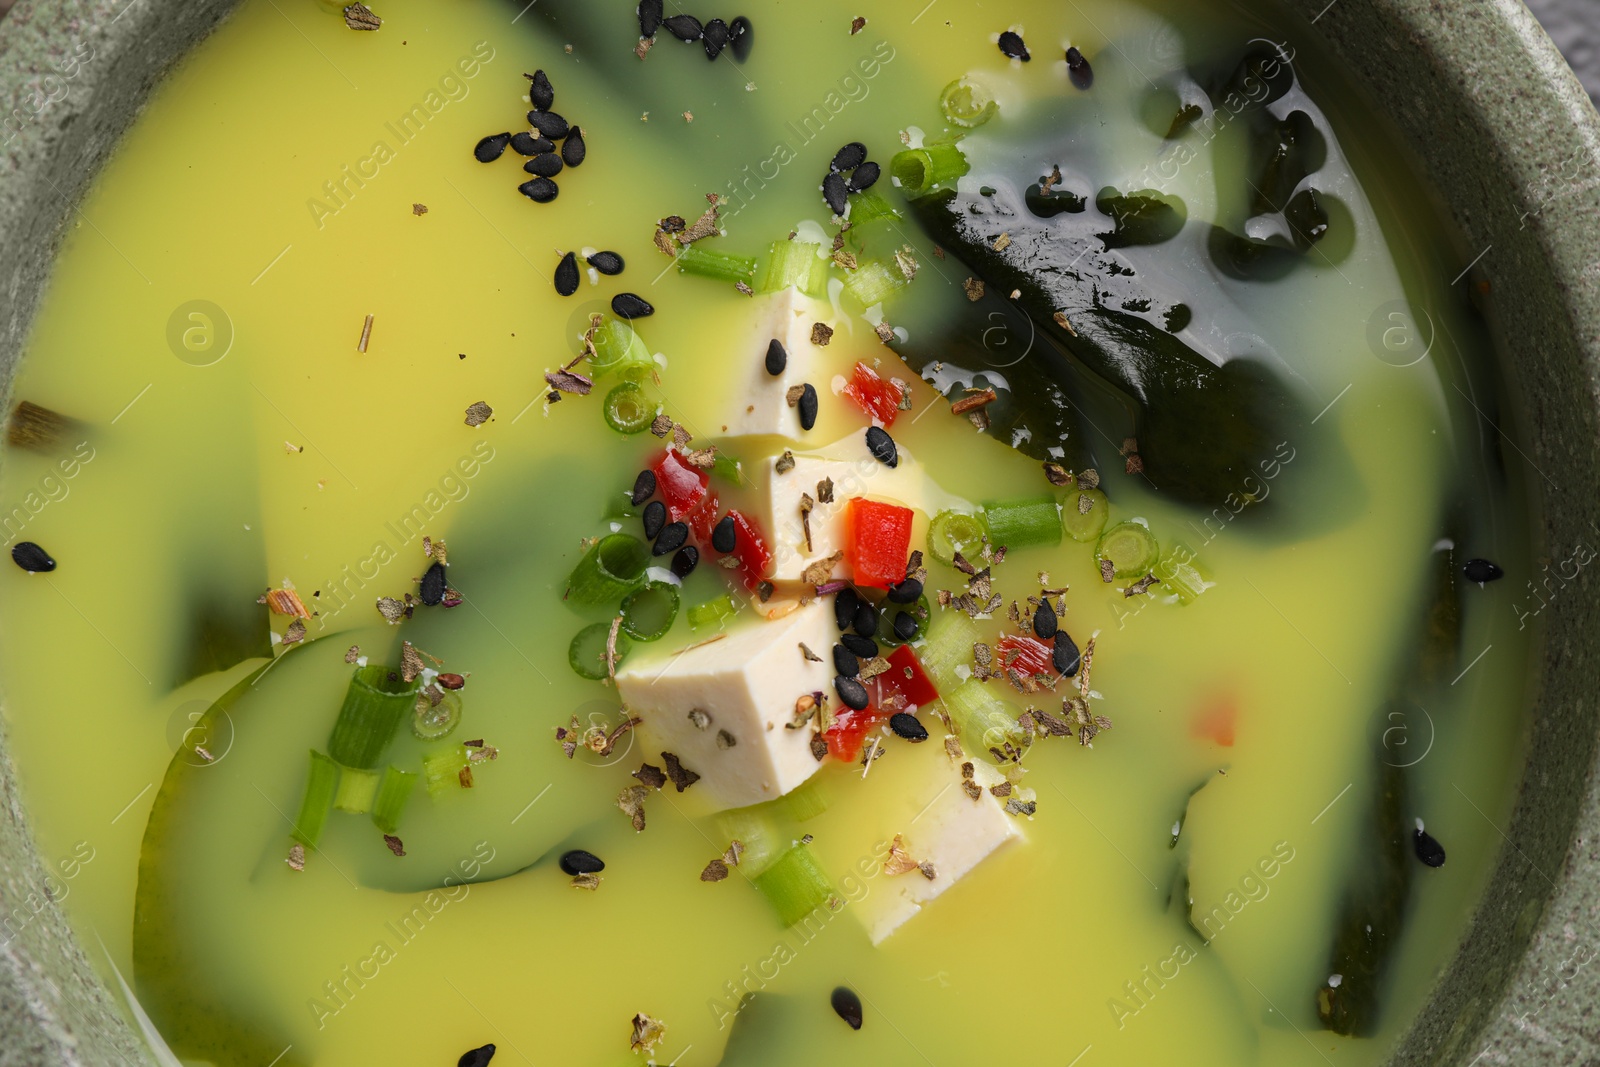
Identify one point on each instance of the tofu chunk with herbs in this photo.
(831, 477)
(724, 707)
(953, 834)
(758, 400)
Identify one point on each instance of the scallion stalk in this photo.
(874, 281)
(441, 770)
(356, 790)
(375, 705)
(612, 569)
(648, 613)
(982, 720)
(709, 263)
(795, 885)
(920, 171)
(949, 647)
(587, 653)
(954, 531)
(868, 206)
(1024, 522)
(712, 612)
(618, 350)
(322, 782)
(756, 828)
(393, 793)
(806, 801)
(795, 263)
(1081, 525)
(628, 410)
(966, 104)
(1131, 549)
(1181, 573)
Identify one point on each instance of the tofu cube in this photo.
(854, 473)
(757, 404)
(953, 832)
(723, 707)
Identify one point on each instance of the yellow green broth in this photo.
(295, 457)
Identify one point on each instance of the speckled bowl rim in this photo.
(1501, 128)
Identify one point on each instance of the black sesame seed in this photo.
(865, 176)
(845, 662)
(541, 94)
(491, 148)
(845, 603)
(865, 621)
(630, 306)
(905, 625)
(30, 557)
(1481, 571)
(577, 861)
(540, 190)
(849, 157)
(863, 647)
(777, 357)
(724, 535)
(1045, 623)
(524, 143)
(567, 274)
(478, 1057)
(715, 37)
(684, 563)
(836, 192)
(847, 1006)
(742, 36)
(548, 123)
(644, 487)
(808, 407)
(649, 17)
(574, 150)
(433, 584)
(545, 165)
(606, 263)
(1065, 658)
(908, 726)
(654, 518)
(852, 692)
(683, 27)
(1011, 45)
(1078, 69)
(1428, 850)
(905, 592)
(882, 446)
(671, 539)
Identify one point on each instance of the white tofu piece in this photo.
(855, 473)
(953, 832)
(746, 684)
(757, 405)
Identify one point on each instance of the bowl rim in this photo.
(1493, 112)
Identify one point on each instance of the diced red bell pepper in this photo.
(702, 518)
(750, 549)
(1029, 655)
(877, 542)
(878, 397)
(906, 678)
(679, 485)
(849, 730)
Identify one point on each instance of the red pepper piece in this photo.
(878, 397)
(679, 485)
(1029, 655)
(750, 549)
(849, 730)
(877, 542)
(702, 518)
(906, 678)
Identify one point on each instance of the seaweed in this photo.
(1370, 918)
(1202, 423)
